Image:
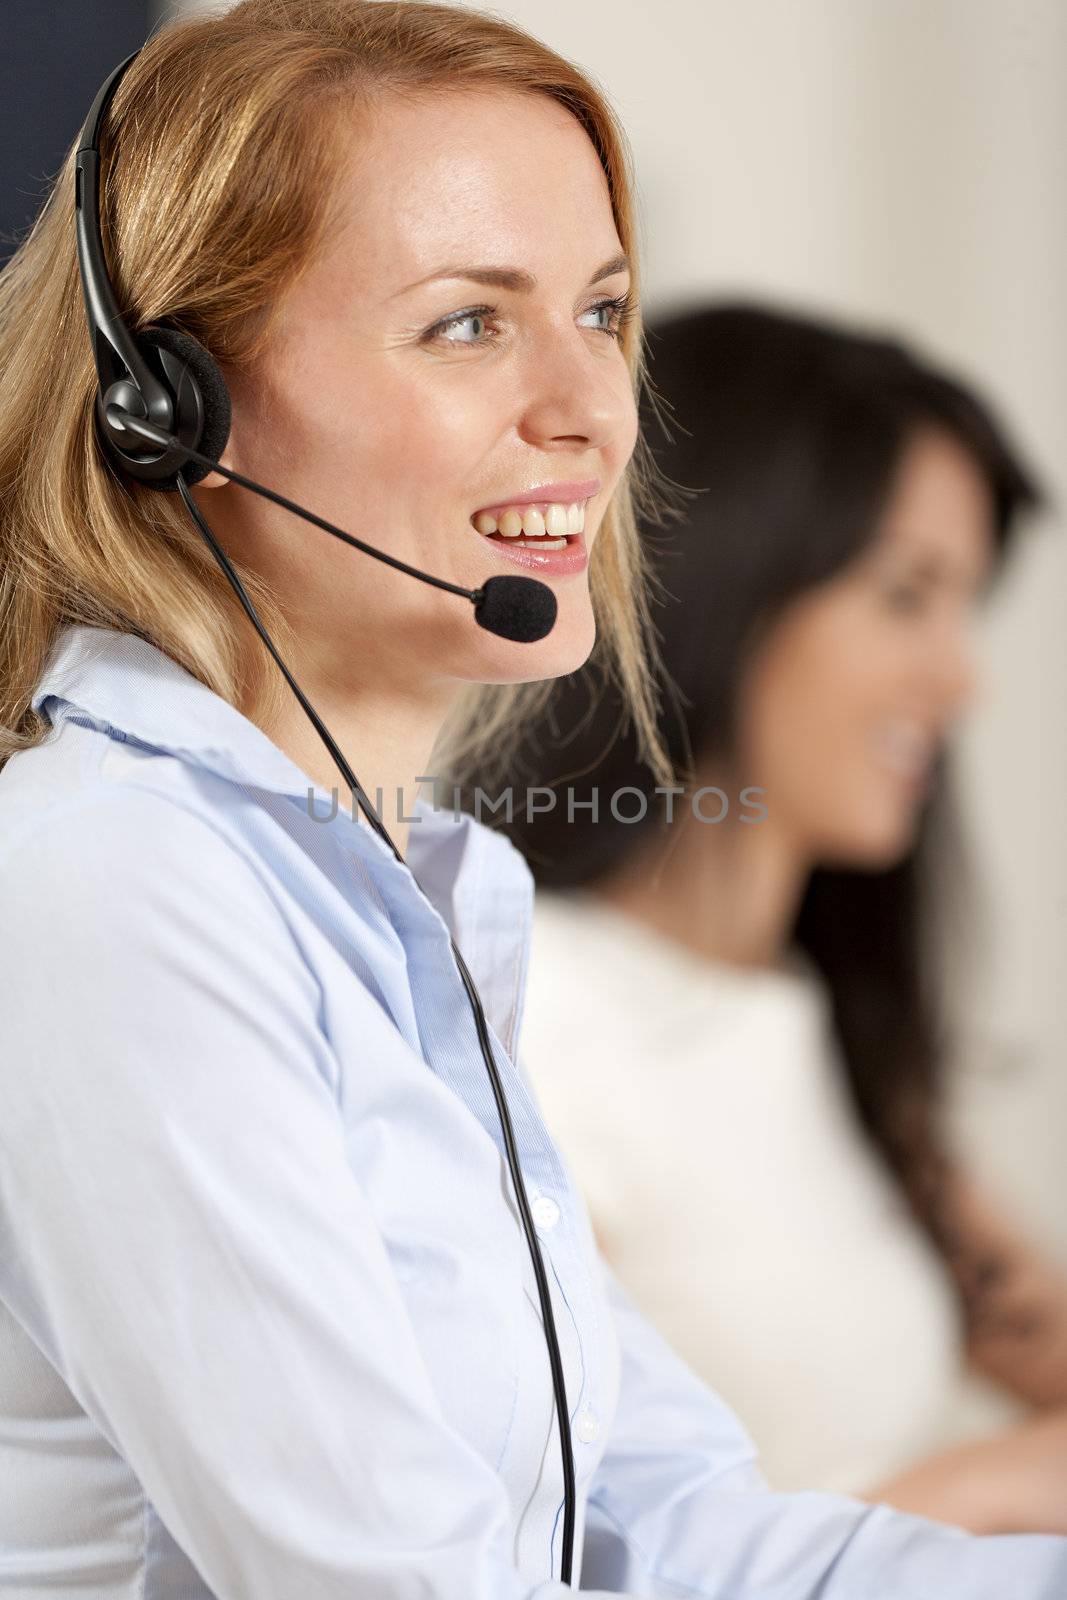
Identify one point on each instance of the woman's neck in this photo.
(729, 892)
(387, 740)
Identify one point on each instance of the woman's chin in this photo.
(566, 648)
(870, 846)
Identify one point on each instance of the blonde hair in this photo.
(203, 233)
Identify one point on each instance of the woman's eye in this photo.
(902, 597)
(618, 312)
(481, 318)
(613, 312)
(447, 324)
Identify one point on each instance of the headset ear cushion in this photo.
(186, 360)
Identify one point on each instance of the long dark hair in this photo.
(788, 430)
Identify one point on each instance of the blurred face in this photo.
(447, 382)
(857, 684)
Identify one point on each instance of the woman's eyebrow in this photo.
(513, 278)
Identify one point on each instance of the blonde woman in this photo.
(269, 1322)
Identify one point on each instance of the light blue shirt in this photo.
(268, 1323)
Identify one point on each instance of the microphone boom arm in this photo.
(147, 430)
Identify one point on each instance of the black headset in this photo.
(162, 417)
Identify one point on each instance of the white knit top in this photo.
(706, 1115)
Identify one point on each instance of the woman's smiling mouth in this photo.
(547, 523)
(545, 518)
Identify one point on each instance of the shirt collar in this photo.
(130, 689)
(473, 878)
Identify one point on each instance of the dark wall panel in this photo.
(54, 55)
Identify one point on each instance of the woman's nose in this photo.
(953, 666)
(576, 396)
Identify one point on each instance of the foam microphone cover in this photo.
(516, 608)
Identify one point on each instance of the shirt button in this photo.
(545, 1212)
(587, 1426)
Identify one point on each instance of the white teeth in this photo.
(553, 520)
(538, 544)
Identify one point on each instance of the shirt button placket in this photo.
(545, 1212)
(587, 1425)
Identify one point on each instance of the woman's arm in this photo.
(1017, 1333)
(678, 1508)
(183, 1236)
(1015, 1482)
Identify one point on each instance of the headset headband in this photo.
(162, 375)
(115, 352)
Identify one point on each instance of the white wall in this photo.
(902, 161)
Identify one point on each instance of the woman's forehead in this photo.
(470, 174)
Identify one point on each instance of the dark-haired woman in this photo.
(734, 1019)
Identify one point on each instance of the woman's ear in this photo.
(240, 414)
(215, 480)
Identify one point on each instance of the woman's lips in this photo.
(554, 554)
(548, 493)
(572, 557)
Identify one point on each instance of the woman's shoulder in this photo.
(583, 947)
(112, 855)
(138, 930)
